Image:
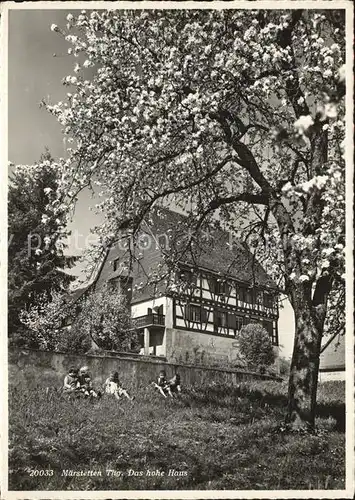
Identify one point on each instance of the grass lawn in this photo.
(209, 438)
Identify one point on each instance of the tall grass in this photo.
(214, 437)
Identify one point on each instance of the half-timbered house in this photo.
(217, 287)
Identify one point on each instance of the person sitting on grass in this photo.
(162, 385)
(71, 381)
(175, 383)
(114, 387)
(86, 385)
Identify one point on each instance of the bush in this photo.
(256, 347)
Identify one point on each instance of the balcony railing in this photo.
(149, 320)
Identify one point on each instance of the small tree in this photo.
(48, 321)
(101, 317)
(106, 320)
(256, 347)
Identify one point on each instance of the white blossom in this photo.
(342, 73)
(303, 278)
(330, 110)
(303, 123)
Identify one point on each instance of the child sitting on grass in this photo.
(162, 385)
(113, 386)
(86, 385)
(175, 383)
(71, 381)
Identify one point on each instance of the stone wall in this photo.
(183, 346)
(32, 368)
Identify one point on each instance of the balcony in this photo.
(150, 320)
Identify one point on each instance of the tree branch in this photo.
(247, 161)
(258, 199)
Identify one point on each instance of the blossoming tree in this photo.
(233, 114)
(98, 318)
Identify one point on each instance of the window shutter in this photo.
(216, 317)
(188, 312)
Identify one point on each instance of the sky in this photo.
(35, 74)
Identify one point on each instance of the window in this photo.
(162, 241)
(232, 321)
(268, 300)
(235, 322)
(222, 288)
(220, 318)
(218, 287)
(268, 327)
(239, 322)
(116, 263)
(144, 241)
(195, 313)
(245, 294)
(258, 297)
(248, 295)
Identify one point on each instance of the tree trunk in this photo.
(303, 381)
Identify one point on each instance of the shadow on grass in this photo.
(272, 395)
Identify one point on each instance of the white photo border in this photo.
(348, 492)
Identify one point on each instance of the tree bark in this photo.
(303, 381)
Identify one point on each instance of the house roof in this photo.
(214, 251)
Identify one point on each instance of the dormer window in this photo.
(116, 264)
(144, 241)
